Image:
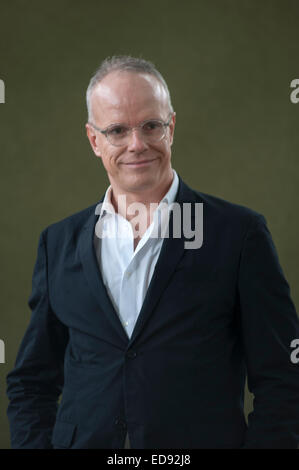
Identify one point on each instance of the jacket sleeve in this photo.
(35, 383)
(269, 325)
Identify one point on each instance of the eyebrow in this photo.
(126, 125)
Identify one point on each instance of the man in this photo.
(147, 338)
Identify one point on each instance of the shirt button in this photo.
(131, 354)
(128, 274)
(120, 422)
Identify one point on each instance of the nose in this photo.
(136, 143)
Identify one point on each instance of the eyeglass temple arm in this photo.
(98, 129)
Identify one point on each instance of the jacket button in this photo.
(131, 354)
(120, 422)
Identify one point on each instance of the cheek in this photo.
(165, 150)
(110, 160)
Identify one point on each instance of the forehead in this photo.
(128, 96)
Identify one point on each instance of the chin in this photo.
(142, 184)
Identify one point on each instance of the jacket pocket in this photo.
(63, 433)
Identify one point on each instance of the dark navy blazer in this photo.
(210, 316)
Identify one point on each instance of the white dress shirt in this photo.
(127, 273)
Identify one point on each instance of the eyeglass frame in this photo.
(105, 131)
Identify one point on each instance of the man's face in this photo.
(131, 98)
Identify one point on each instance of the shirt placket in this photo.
(130, 293)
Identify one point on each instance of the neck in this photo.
(146, 197)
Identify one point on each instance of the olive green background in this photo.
(228, 64)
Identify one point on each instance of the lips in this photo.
(139, 162)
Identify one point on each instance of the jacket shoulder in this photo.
(225, 205)
(229, 212)
(214, 205)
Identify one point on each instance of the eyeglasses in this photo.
(151, 131)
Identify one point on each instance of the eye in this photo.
(117, 131)
(150, 126)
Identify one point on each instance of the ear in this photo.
(93, 139)
(171, 127)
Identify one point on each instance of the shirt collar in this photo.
(107, 207)
(172, 192)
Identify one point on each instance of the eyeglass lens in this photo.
(151, 131)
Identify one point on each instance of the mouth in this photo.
(139, 163)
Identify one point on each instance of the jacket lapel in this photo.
(94, 278)
(171, 252)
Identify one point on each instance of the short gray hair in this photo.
(124, 63)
